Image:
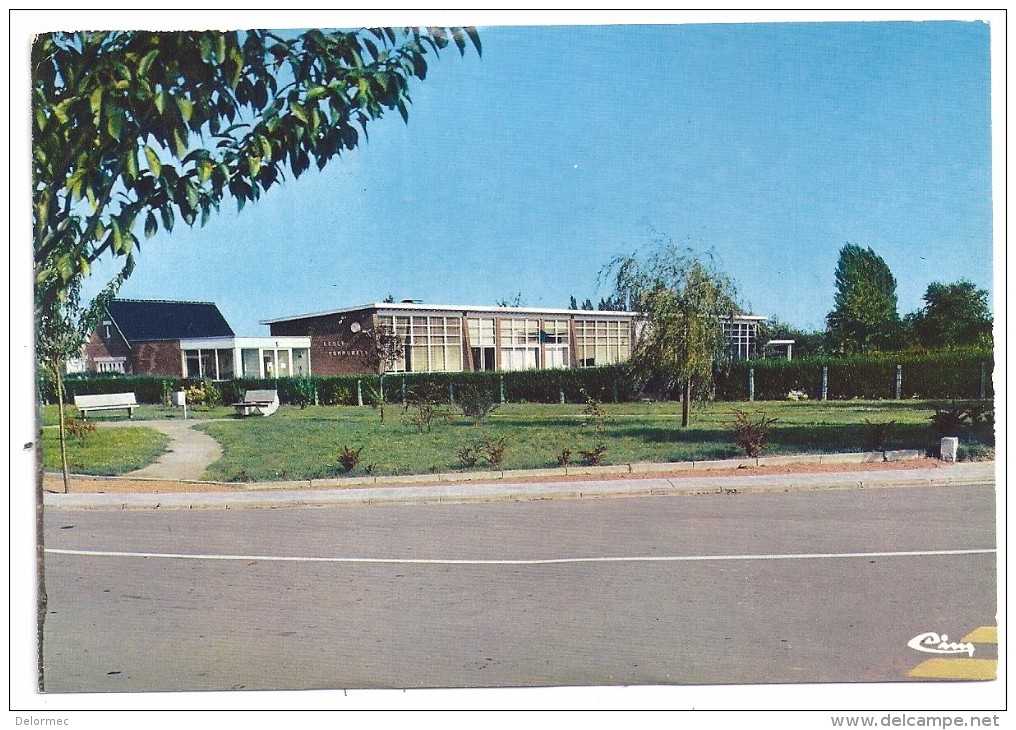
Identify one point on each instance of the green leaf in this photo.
(205, 168)
(180, 142)
(146, 62)
(299, 112)
(117, 236)
(153, 161)
(132, 163)
(160, 101)
(186, 108)
(95, 100)
(151, 225)
(114, 123)
(60, 110)
(316, 92)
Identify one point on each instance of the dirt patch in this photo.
(121, 485)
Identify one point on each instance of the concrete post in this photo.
(502, 388)
(403, 391)
(561, 394)
(359, 393)
(751, 383)
(451, 392)
(825, 382)
(899, 382)
(950, 445)
(984, 380)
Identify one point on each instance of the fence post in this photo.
(502, 388)
(984, 380)
(560, 392)
(403, 391)
(751, 383)
(359, 394)
(899, 381)
(825, 382)
(451, 391)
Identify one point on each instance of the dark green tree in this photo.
(682, 299)
(139, 130)
(865, 317)
(953, 315)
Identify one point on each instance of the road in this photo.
(820, 586)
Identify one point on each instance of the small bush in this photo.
(427, 403)
(349, 458)
(477, 402)
(751, 435)
(564, 458)
(949, 420)
(595, 456)
(469, 455)
(494, 449)
(877, 434)
(79, 428)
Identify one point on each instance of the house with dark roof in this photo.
(187, 339)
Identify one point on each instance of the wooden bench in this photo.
(261, 402)
(106, 402)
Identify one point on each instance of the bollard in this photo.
(950, 447)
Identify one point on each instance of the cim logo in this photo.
(933, 643)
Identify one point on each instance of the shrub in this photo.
(79, 428)
(594, 456)
(428, 403)
(750, 435)
(349, 458)
(469, 455)
(564, 458)
(494, 449)
(877, 434)
(949, 420)
(477, 402)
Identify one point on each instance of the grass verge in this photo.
(105, 451)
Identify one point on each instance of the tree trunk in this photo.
(63, 432)
(41, 598)
(381, 396)
(686, 403)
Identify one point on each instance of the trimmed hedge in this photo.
(946, 374)
(949, 374)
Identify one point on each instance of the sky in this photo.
(526, 170)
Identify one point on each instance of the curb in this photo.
(499, 490)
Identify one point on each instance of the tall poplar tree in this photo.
(865, 317)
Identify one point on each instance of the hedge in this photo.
(955, 374)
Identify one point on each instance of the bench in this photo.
(261, 402)
(106, 402)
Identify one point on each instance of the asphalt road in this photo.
(823, 586)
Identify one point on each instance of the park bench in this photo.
(106, 402)
(262, 402)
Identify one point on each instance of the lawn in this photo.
(306, 443)
(105, 451)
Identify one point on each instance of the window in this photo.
(111, 364)
(432, 344)
(520, 344)
(740, 339)
(554, 336)
(602, 342)
(481, 343)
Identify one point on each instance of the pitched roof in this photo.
(149, 320)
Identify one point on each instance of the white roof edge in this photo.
(406, 307)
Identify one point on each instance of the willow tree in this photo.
(682, 300)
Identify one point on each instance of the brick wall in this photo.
(334, 348)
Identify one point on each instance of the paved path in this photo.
(190, 451)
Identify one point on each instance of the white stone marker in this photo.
(950, 445)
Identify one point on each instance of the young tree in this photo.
(682, 299)
(953, 315)
(383, 349)
(865, 316)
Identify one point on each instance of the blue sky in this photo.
(526, 170)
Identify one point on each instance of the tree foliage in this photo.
(382, 350)
(954, 315)
(682, 299)
(864, 317)
(140, 130)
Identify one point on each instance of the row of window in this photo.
(434, 343)
(219, 363)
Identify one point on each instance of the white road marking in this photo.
(547, 561)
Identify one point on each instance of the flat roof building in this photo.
(456, 338)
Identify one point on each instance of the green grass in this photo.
(301, 444)
(105, 451)
(51, 413)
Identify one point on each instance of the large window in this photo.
(215, 364)
(602, 342)
(554, 336)
(482, 343)
(520, 344)
(432, 344)
(740, 339)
